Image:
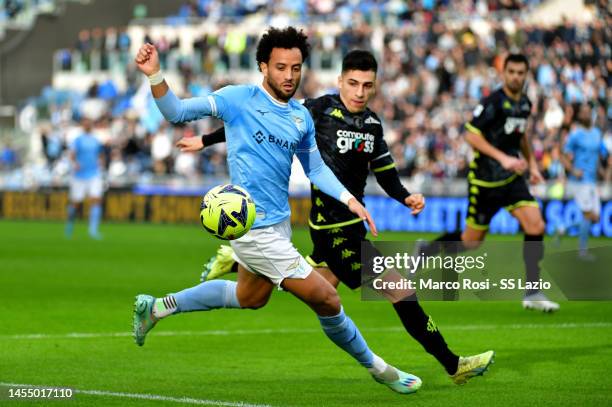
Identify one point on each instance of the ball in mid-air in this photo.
(227, 212)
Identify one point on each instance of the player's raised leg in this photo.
(530, 218)
(219, 264)
(250, 291)
(321, 296)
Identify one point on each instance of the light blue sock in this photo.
(208, 295)
(343, 332)
(583, 234)
(70, 220)
(95, 214)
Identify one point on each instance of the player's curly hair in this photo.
(286, 38)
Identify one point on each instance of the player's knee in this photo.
(535, 227)
(329, 303)
(472, 244)
(253, 302)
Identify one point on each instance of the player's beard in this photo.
(279, 92)
(516, 87)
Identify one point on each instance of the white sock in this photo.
(383, 370)
(164, 307)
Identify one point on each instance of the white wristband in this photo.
(156, 78)
(345, 197)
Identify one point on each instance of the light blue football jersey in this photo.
(586, 145)
(87, 149)
(262, 136)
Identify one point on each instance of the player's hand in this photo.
(513, 164)
(535, 176)
(416, 202)
(147, 59)
(190, 144)
(359, 210)
(577, 173)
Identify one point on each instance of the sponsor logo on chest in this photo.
(515, 124)
(354, 140)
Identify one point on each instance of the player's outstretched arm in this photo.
(321, 176)
(388, 178)
(219, 104)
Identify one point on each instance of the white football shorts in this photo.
(587, 198)
(269, 252)
(81, 188)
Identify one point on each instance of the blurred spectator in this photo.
(436, 60)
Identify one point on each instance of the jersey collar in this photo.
(272, 99)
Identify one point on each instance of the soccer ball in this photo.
(227, 212)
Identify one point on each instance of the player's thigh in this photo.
(587, 199)
(523, 206)
(78, 190)
(328, 275)
(472, 237)
(530, 219)
(316, 292)
(252, 290)
(95, 189)
(483, 204)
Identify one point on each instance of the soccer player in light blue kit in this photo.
(265, 127)
(583, 149)
(86, 156)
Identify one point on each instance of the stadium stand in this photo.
(436, 62)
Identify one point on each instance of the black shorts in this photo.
(340, 250)
(484, 202)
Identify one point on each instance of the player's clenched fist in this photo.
(147, 59)
(416, 202)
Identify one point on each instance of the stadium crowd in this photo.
(431, 75)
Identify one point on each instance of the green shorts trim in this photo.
(519, 204)
(491, 184)
(472, 223)
(313, 263)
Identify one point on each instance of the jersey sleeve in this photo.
(228, 101)
(570, 144)
(382, 159)
(308, 143)
(603, 149)
(386, 174)
(314, 166)
(218, 136)
(483, 117)
(223, 104)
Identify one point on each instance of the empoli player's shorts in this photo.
(340, 249)
(484, 202)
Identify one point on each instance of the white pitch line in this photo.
(145, 396)
(272, 331)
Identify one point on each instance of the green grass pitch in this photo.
(66, 308)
